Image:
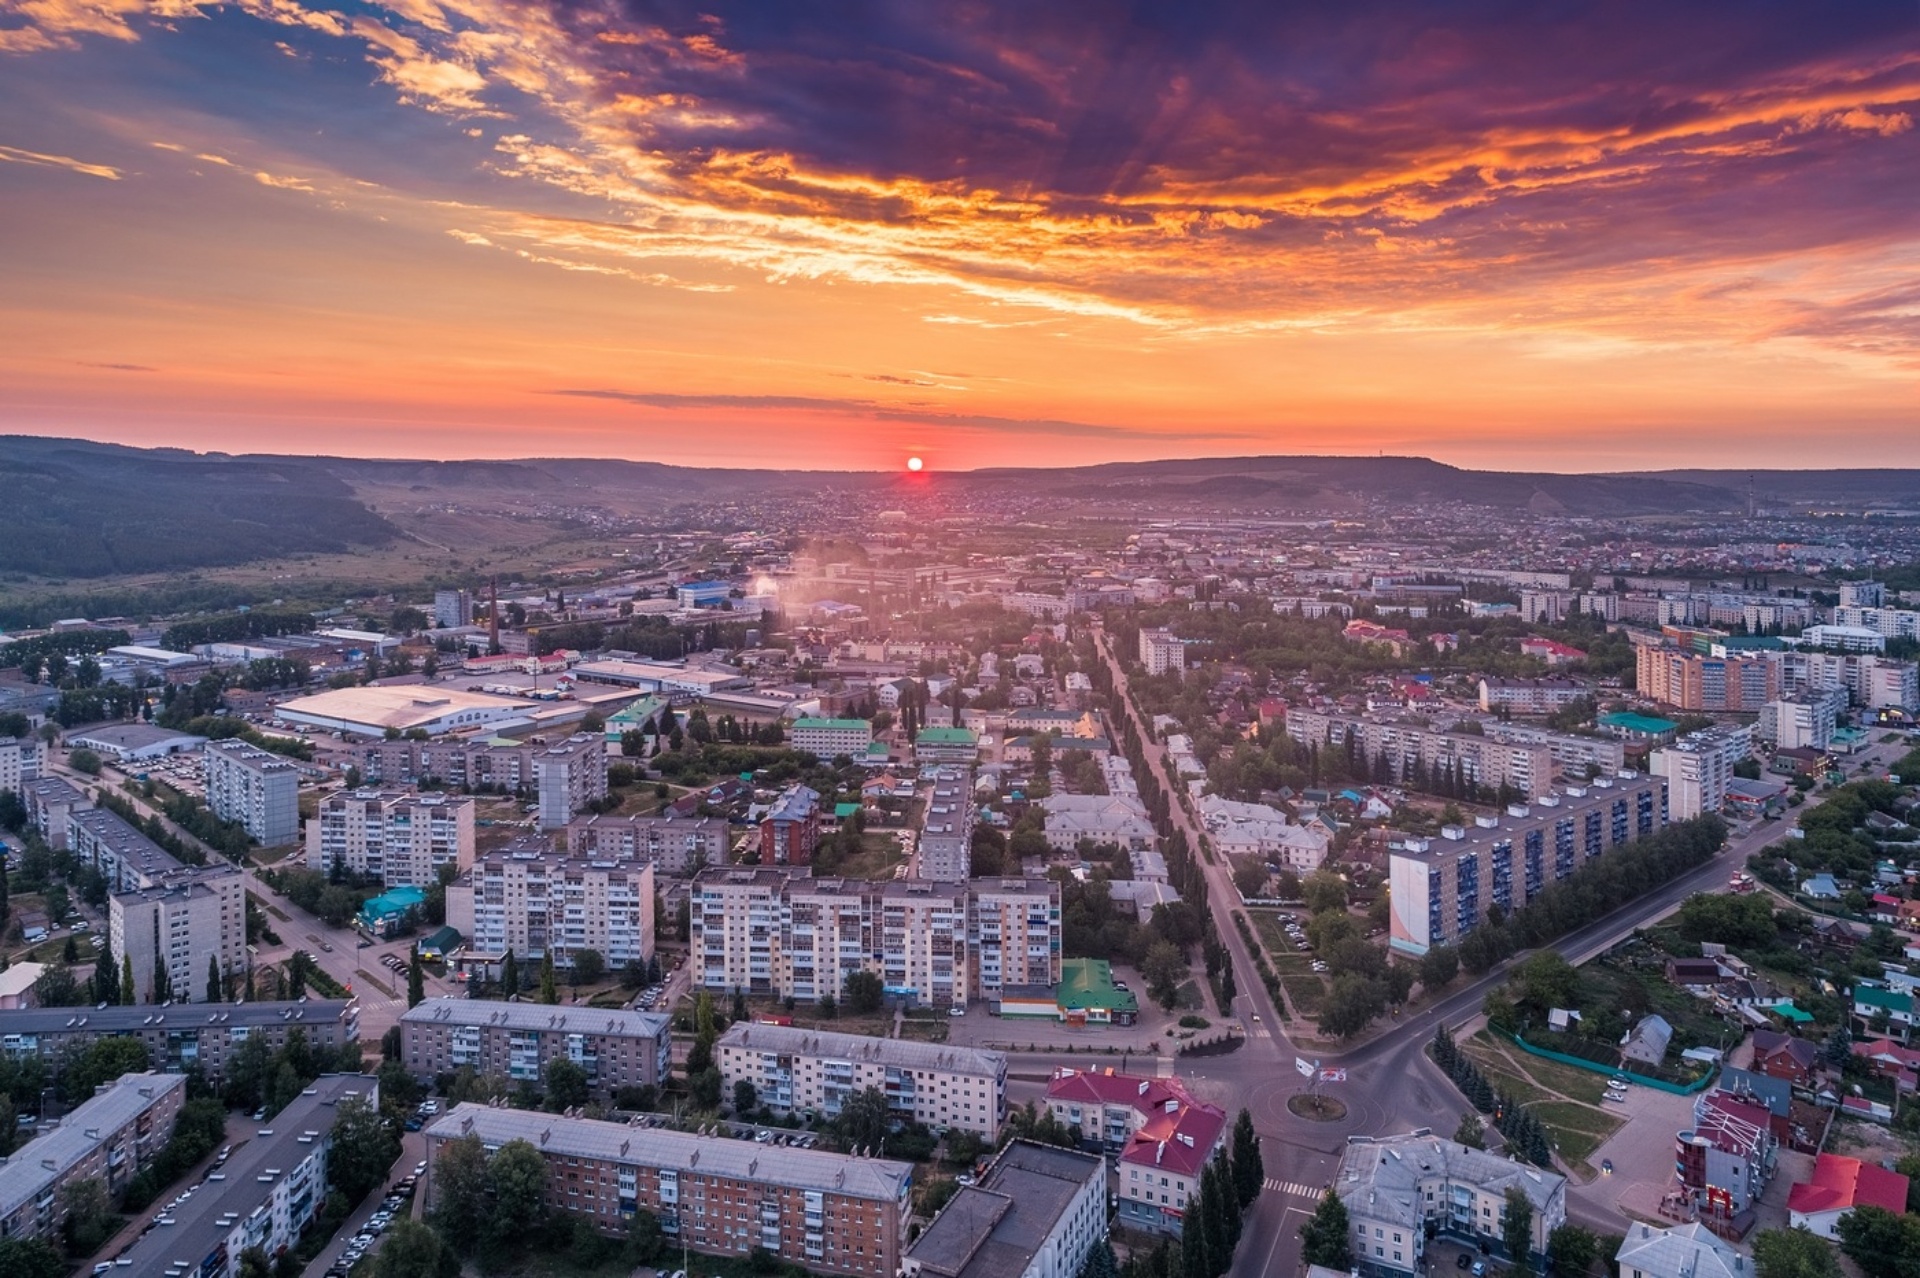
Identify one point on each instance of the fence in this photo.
(1609, 1070)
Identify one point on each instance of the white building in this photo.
(452, 608)
(19, 762)
(1101, 818)
(257, 788)
(1036, 1213)
(944, 852)
(1683, 1251)
(674, 844)
(531, 899)
(370, 711)
(616, 1047)
(825, 738)
(1697, 768)
(1397, 1188)
(1161, 652)
(397, 837)
(1845, 638)
(1802, 721)
(810, 1071)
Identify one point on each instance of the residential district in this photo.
(1191, 896)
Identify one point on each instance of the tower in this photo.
(493, 616)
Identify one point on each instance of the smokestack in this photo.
(493, 616)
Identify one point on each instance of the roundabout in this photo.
(1317, 1109)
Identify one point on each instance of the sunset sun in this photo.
(914, 463)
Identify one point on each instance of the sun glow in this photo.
(914, 463)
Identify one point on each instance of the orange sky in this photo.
(826, 238)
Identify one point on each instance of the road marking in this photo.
(1289, 1187)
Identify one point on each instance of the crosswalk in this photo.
(1290, 1188)
(1260, 1031)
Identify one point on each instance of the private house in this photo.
(1784, 1057)
(1838, 1185)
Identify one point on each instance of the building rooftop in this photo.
(996, 1227)
(1840, 1183)
(804, 1169)
(947, 736)
(833, 725)
(134, 736)
(901, 1052)
(119, 1019)
(1177, 1131)
(27, 1173)
(1087, 983)
(1684, 1251)
(1385, 1173)
(262, 1154)
(538, 1016)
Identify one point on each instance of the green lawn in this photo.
(1305, 993)
(878, 857)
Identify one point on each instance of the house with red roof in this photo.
(1360, 631)
(1159, 1135)
(1551, 651)
(1889, 1059)
(1840, 1184)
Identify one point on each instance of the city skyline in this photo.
(721, 235)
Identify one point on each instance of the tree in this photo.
(1882, 1244)
(1471, 1132)
(1546, 981)
(1793, 1253)
(1571, 1250)
(416, 979)
(567, 1086)
(215, 992)
(86, 761)
(1100, 1262)
(589, 966)
(1249, 1168)
(460, 1186)
(864, 1119)
(1351, 1005)
(704, 1087)
(1438, 967)
(1516, 1226)
(864, 993)
(1165, 967)
(90, 1219)
(414, 1250)
(126, 980)
(509, 975)
(104, 1060)
(30, 1258)
(518, 1177)
(549, 991)
(745, 1097)
(705, 1031)
(1324, 892)
(254, 1263)
(1324, 1236)
(364, 1147)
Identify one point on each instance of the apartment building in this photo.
(1702, 682)
(1844, 638)
(1161, 652)
(181, 925)
(569, 775)
(1413, 751)
(790, 831)
(617, 1047)
(1698, 767)
(770, 931)
(1574, 754)
(944, 852)
(796, 1070)
(452, 608)
(272, 1185)
(126, 858)
(832, 1213)
(676, 845)
(257, 788)
(1013, 934)
(827, 738)
(1441, 888)
(1890, 623)
(180, 1037)
(1035, 1213)
(109, 1137)
(1873, 682)
(50, 803)
(1531, 696)
(1160, 1136)
(530, 899)
(398, 837)
(1801, 720)
(1401, 1192)
(19, 761)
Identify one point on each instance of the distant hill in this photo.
(83, 509)
(80, 509)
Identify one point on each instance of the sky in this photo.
(1630, 235)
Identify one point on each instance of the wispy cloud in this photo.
(120, 368)
(15, 155)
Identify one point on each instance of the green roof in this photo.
(841, 811)
(1792, 1013)
(834, 725)
(1637, 722)
(1087, 983)
(443, 940)
(1887, 1000)
(947, 736)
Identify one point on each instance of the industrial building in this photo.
(372, 710)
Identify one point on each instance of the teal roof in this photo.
(1087, 983)
(841, 811)
(443, 940)
(1887, 1000)
(1632, 722)
(1792, 1013)
(836, 725)
(947, 736)
(393, 901)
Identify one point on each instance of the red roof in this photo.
(1840, 1184)
(1176, 1132)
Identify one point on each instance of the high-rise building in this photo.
(19, 761)
(452, 608)
(401, 838)
(182, 924)
(257, 788)
(1161, 652)
(790, 831)
(772, 931)
(1441, 889)
(1411, 750)
(530, 899)
(568, 776)
(1699, 681)
(1697, 768)
(944, 851)
(1801, 720)
(832, 1213)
